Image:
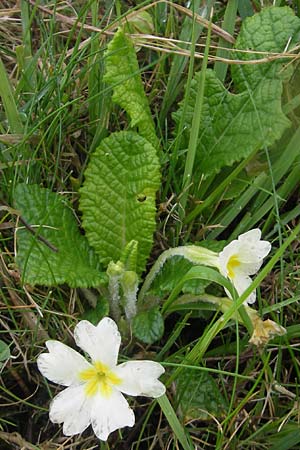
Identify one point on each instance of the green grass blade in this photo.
(217, 193)
(228, 25)
(29, 65)
(99, 99)
(282, 194)
(287, 441)
(174, 423)
(226, 217)
(9, 104)
(179, 63)
(192, 147)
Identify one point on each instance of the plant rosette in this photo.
(93, 394)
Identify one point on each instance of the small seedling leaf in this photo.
(148, 326)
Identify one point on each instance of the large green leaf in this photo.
(54, 226)
(118, 196)
(269, 31)
(198, 395)
(123, 75)
(235, 125)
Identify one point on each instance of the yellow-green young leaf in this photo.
(118, 196)
(53, 228)
(235, 125)
(123, 75)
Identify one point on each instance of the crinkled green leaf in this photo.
(129, 255)
(148, 326)
(235, 125)
(198, 395)
(118, 196)
(51, 218)
(123, 75)
(269, 31)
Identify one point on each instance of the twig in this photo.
(38, 236)
(107, 31)
(29, 318)
(16, 438)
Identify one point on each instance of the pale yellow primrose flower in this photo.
(94, 389)
(241, 258)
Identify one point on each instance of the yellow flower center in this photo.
(99, 378)
(232, 264)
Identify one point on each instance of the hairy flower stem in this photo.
(129, 283)
(197, 255)
(115, 272)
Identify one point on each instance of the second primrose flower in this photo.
(94, 390)
(241, 258)
(237, 261)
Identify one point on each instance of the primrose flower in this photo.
(94, 389)
(241, 258)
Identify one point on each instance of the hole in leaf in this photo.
(141, 198)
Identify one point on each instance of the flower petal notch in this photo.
(241, 258)
(94, 389)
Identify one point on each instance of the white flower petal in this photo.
(110, 413)
(250, 299)
(241, 283)
(102, 342)
(225, 254)
(249, 268)
(140, 378)
(62, 364)
(263, 249)
(253, 252)
(250, 236)
(73, 408)
(243, 257)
